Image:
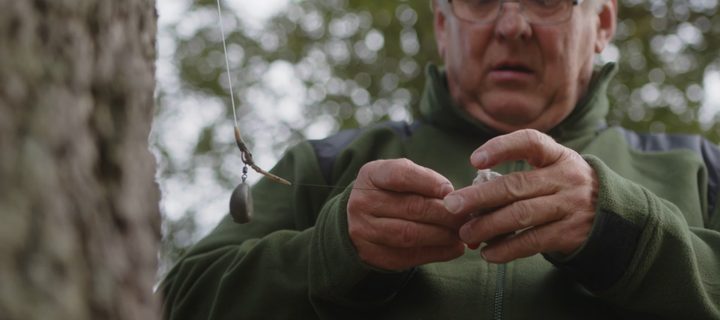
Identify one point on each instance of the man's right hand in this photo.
(396, 216)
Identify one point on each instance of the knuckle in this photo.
(370, 166)
(542, 145)
(521, 213)
(367, 173)
(576, 174)
(360, 203)
(534, 138)
(473, 194)
(414, 206)
(399, 172)
(512, 184)
(532, 241)
(390, 172)
(573, 177)
(409, 170)
(407, 236)
(405, 162)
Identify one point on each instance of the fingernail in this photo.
(479, 158)
(473, 246)
(482, 255)
(453, 203)
(446, 188)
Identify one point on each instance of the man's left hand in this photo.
(549, 209)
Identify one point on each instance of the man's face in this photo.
(511, 74)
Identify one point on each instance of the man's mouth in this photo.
(509, 67)
(511, 72)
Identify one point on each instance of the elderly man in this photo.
(586, 221)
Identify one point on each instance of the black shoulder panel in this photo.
(329, 148)
(665, 142)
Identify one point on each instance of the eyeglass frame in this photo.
(448, 5)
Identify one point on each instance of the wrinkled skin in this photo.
(396, 216)
(551, 208)
(513, 75)
(415, 216)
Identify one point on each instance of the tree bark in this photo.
(79, 214)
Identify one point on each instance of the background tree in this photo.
(78, 204)
(337, 64)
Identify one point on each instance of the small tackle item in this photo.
(241, 204)
(484, 175)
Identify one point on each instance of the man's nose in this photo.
(511, 24)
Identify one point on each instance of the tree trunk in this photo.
(79, 215)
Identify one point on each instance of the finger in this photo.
(390, 258)
(403, 175)
(539, 149)
(501, 191)
(503, 236)
(404, 234)
(564, 236)
(516, 216)
(414, 208)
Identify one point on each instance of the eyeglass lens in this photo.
(535, 11)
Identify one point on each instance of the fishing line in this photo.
(227, 63)
(335, 187)
(241, 204)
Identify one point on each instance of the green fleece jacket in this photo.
(653, 252)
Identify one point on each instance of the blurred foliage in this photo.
(665, 50)
(360, 61)
(363, 61)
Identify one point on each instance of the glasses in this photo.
(537, 12)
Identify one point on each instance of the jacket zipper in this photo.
(499, 292)
(500, 286)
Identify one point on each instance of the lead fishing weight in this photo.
(241, 204)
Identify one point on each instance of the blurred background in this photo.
(303, 69)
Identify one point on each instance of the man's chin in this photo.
(509, 124)
(512, 109)
(508, 114)
(504, 121)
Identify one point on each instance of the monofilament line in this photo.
(232, 102)
(227, 63)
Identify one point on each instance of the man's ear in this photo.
(439, 24)
(607, 21)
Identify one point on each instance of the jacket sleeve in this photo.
(294, 260)
(643, 257)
